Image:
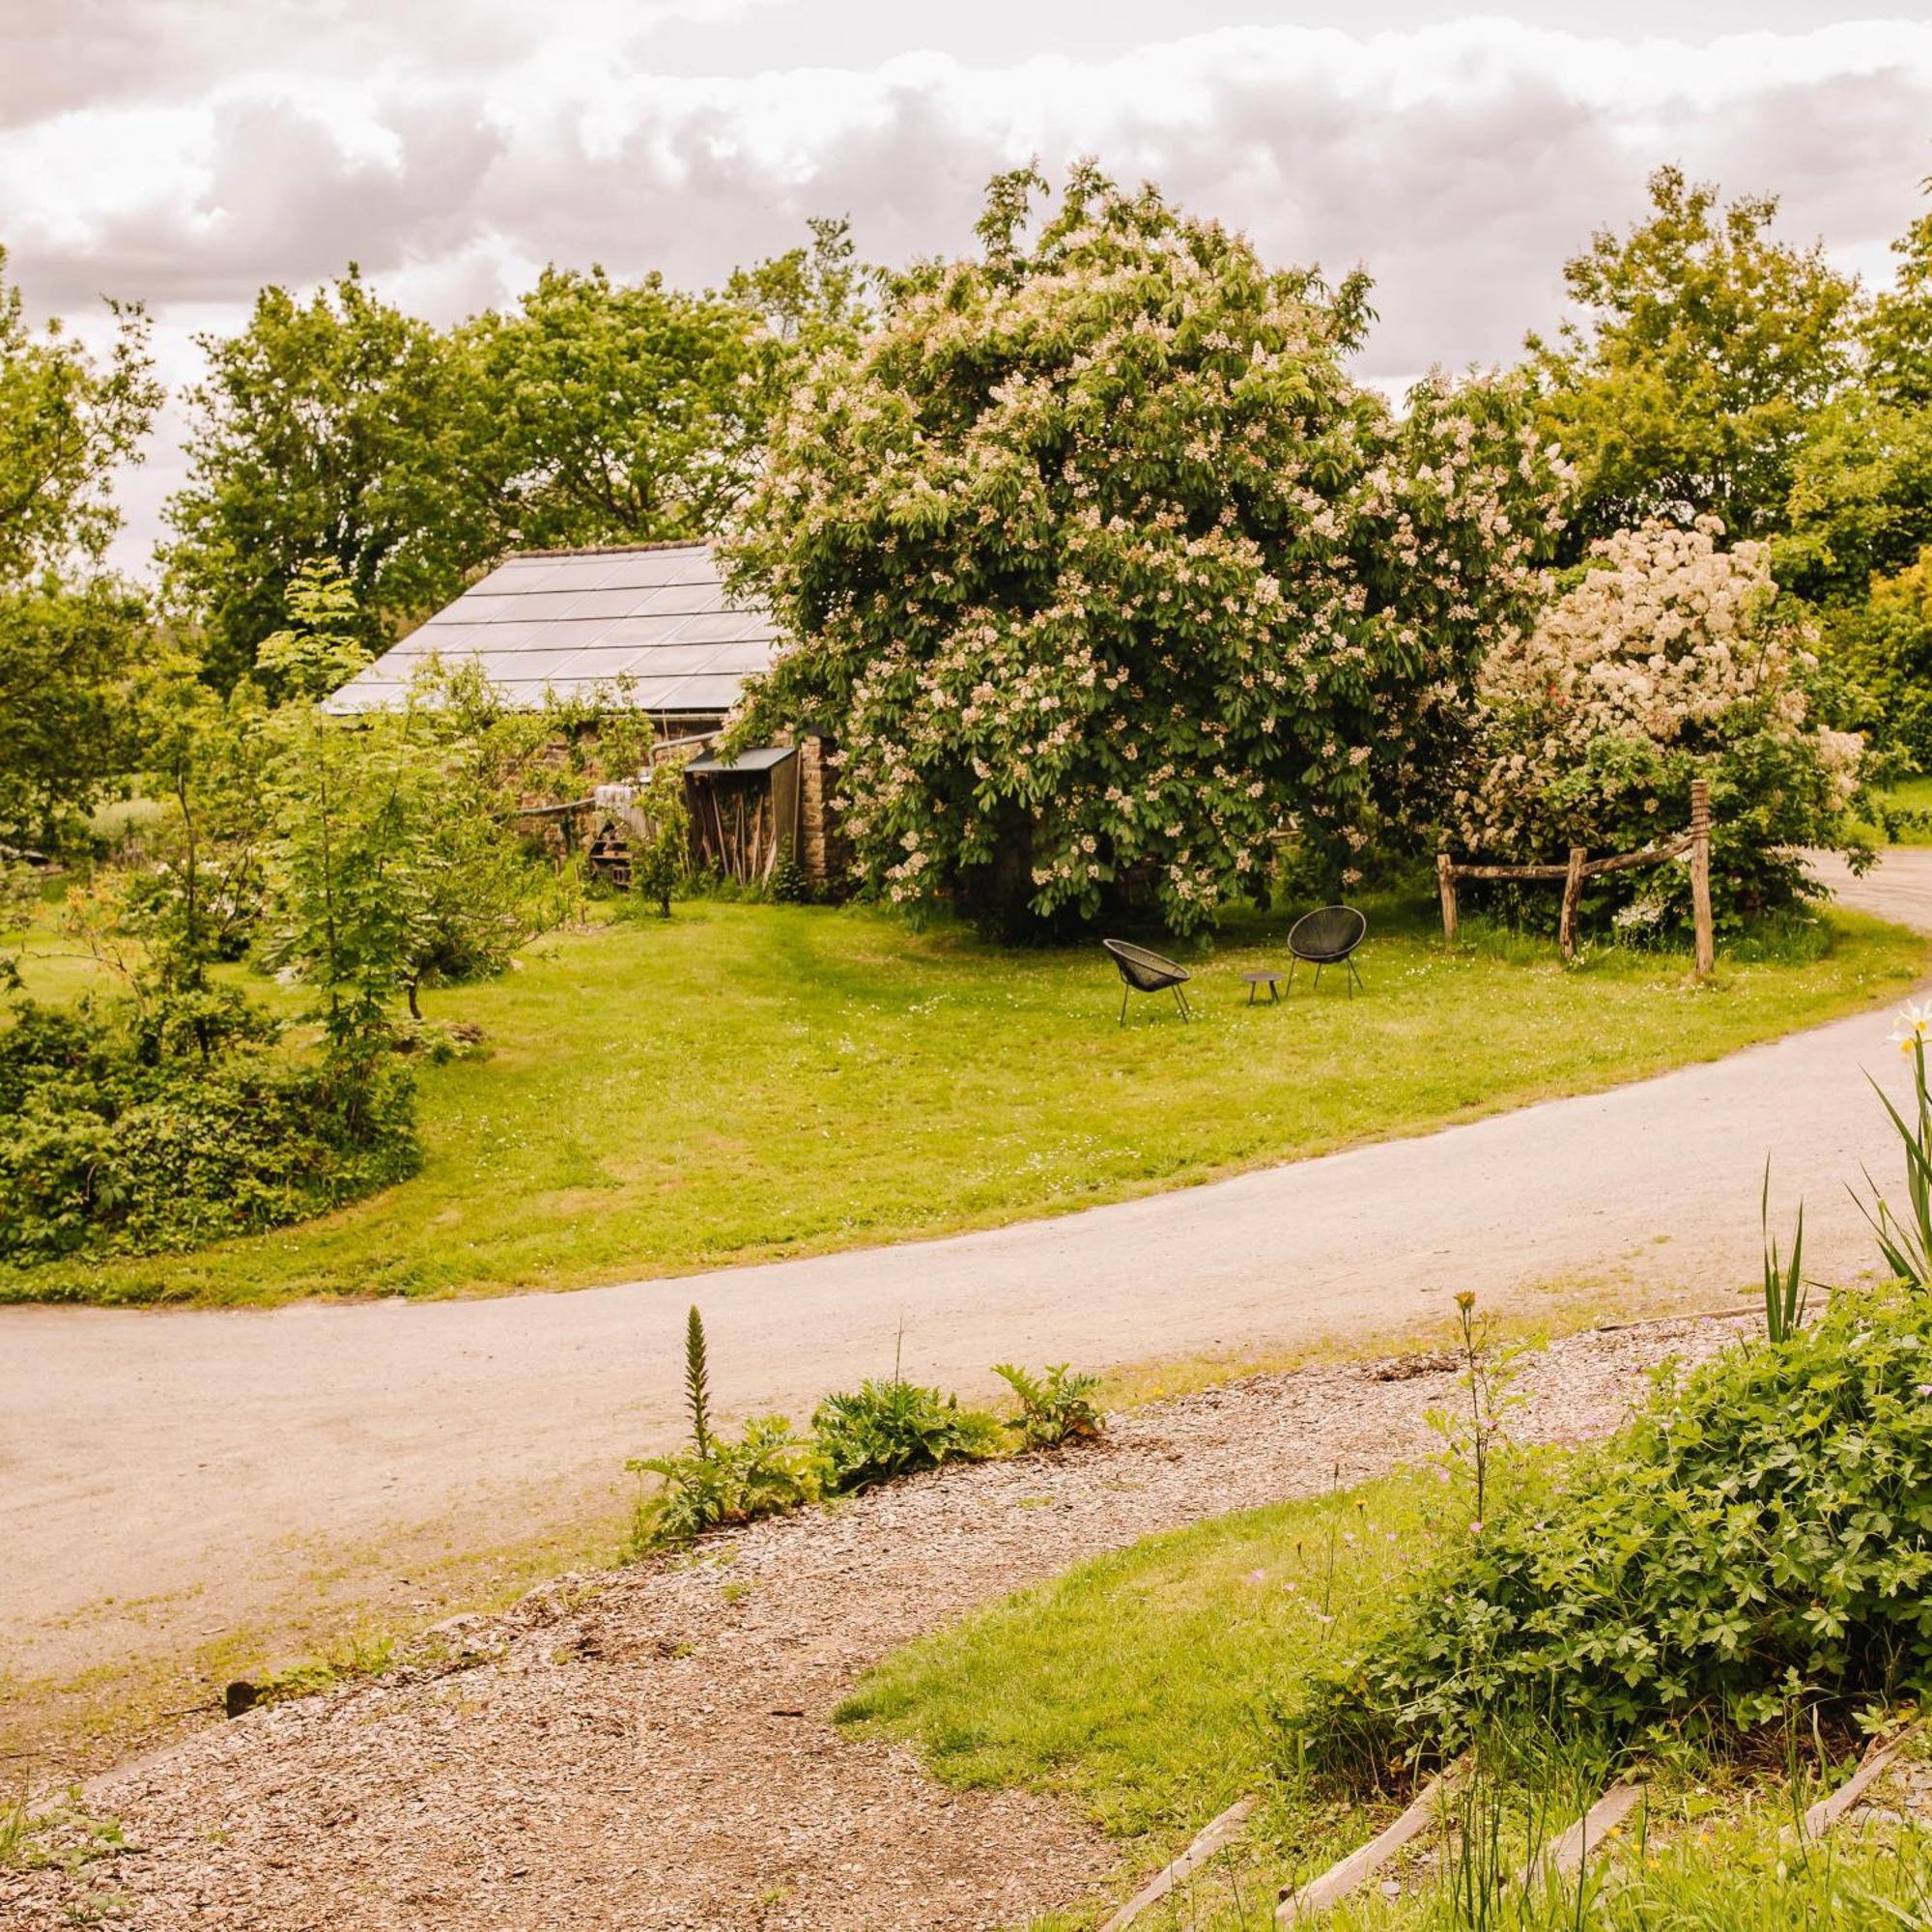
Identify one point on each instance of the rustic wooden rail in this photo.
(1582, 868)
(1217, 1836)
(1320, 1896)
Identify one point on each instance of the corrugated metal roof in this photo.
(656, 617)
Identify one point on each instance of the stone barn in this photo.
(654, 624)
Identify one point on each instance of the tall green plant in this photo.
(1783, 1286)
(1906, 1241)
(697, 1381)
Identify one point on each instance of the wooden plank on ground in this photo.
(1325, 1894)
(1223, 1830)
(1827, 1812)
(1563, 1857)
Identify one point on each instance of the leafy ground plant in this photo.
(881, 1430)
(1759, 1538)
(895, 1427)
(1056, 1407)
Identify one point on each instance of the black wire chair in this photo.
(1144, 972)
(1326, 937)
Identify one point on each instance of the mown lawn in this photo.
(749, 1082)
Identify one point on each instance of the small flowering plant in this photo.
(1474, 1428)
(1103, 572)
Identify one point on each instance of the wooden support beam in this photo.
(1700, 877)
(1445, 886)
(1323, 1894)
(1827, 1812)
(1565, 1857)
(1573, 899)
(1222, 1831)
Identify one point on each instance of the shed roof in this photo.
(654, 615)
(759, 759)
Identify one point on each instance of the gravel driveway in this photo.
(652, 1751)
(172, 1475)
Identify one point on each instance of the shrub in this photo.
(1055, 1408)
(1885, 647)
(1759, 1537)
(1669, 659)
(875, 1433)
(889, 1429)
(117, 1137)
(768, 1469)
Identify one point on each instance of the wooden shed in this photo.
(653, 627)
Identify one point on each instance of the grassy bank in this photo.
(1137, 1687)
(752, 1082)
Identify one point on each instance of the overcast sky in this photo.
(185, 152)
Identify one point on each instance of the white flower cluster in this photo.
(1100, 566)
(1667, 654)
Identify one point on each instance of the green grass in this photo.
(1131, 1684)
(1912, 795)
(749, 1082)
(1137, 1686)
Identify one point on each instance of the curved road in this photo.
(170, 1475)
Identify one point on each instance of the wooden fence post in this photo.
(1445, 884)
(1700, 877)
(1573, 896)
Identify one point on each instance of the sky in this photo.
(183, 152)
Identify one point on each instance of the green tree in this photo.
(70, 633)
(661, 853)
(810, 301)
(335, 429)
(1860, 499)
(1896, 337)
(1704, 347)
(616, 411)
(1103, 571)
(1884, 645)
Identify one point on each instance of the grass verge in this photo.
(746, 1082)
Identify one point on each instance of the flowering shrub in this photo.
(1669, 659)
(1102, 571)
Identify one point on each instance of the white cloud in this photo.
(195, 152)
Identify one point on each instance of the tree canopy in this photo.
(69, 631)
(1101, 567)
(1703, 346)
(341, 429)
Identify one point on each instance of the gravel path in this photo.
(651, 1751)
(173, 1474)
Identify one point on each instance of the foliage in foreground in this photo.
(1759, 1537)
(875, 1433)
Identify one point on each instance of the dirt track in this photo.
(207, 1470)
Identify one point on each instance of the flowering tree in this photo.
(1669, 659)
(1102, 569)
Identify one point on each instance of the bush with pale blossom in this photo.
(1670, 658)
(1105, 575)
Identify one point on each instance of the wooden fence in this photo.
(1582, 867)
